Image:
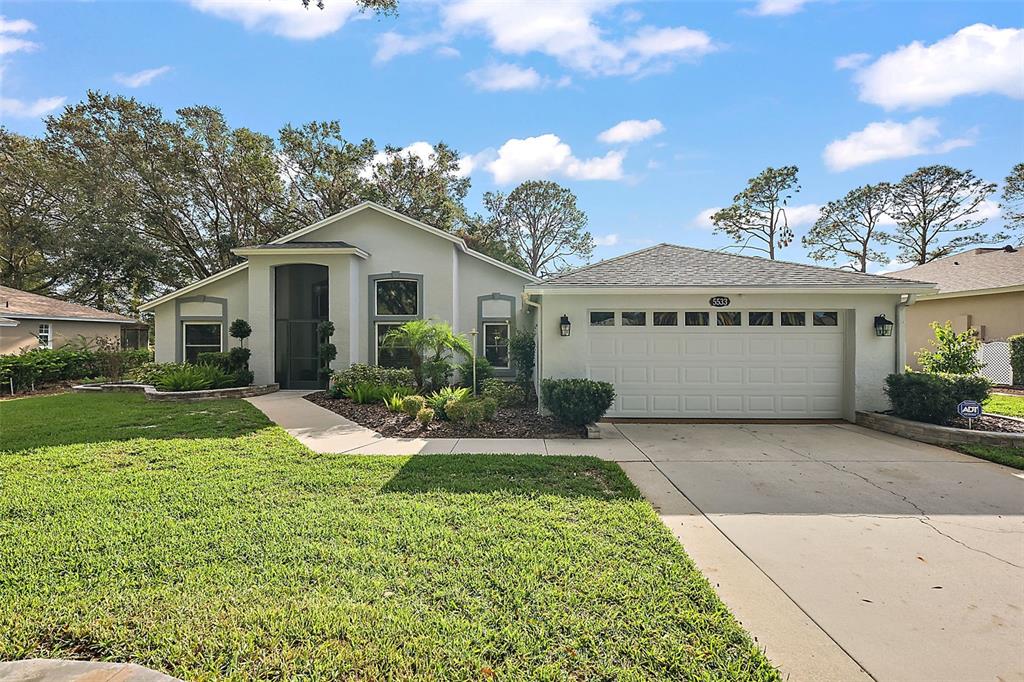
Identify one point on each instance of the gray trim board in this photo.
(481, 320)
(179, 336)
(373, 319)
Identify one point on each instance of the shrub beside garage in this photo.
(931, 396)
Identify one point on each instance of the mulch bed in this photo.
(1009, 390)
(991, 422)
(509, 422)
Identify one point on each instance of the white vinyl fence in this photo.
(996, 356)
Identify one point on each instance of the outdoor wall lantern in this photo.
(883, 327)
(565, 325)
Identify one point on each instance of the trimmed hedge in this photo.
(577, 401)
(933, 397)
(369, 374)
(1017, 358)
(42, 366)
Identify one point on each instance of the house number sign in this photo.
(719, 301)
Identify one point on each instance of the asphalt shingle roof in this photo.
(971, 270)
(669, 265)
(15, 303)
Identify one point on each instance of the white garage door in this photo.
(714, 363)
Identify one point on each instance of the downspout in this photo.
(540, 343)
(901, 319)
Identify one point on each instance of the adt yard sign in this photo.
(969, 410)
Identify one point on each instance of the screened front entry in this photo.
(300, 304)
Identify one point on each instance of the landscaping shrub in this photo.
(933, 397)
(394, 403)
(41, 366)
(327, 351)
(427, 341)
(522, 351)
(504, 393)
(470, 411)
(955, 353)
(484, 371)
(437, 373)
(412, 405)
(234, 362)
(184, 378)
(439, 400)
(150, 372)
(1017, 358)
(216, 358)
(577, 401)
(359, 373)
(425, 416)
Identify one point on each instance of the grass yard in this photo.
(1011, 457)
(1009, 405)
(249, 557)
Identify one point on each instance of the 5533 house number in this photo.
(719, 301)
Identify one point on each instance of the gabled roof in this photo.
(972, 271)
(18, 304)
(672, 266)
(288, 242)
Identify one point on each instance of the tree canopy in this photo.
(846, 232)
(757, 218)
(1012, 203)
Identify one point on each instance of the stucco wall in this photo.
(873, 357)
(995, 316)
(23, 337)
(452, 281)
(234, 288)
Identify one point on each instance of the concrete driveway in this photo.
(835, 542)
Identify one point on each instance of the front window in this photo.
(391, 356)
(397, 297)
(45, 335)
(201, 337)
(496, 344)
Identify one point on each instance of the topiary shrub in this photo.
(932, 397)
(1017, 358)
(412, 405)
(577, 401)
(504, 393)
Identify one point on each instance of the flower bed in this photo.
(508, 422)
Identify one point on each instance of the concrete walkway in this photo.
(848, 554)
(56, 670)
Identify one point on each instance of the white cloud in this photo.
(141, 78)
(447, 51)
(988, 210)
(607, 240)
(703, 219)
(391, 44)
(803, 215)
(17, 108)
(566, 31)
(503, 77)
(976, 60)
(632, 130)
(765, 8)
(283, 18)
(890, 140)
(885, 268)
(852, 61)
(8, 43)
(546, 156)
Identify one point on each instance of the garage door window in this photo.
(634, 319)
(760, 319)
(793, 319)
(826, 319)
(729, 318)
(666, 319)
(698, 319)
(602, 319)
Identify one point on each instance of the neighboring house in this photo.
(681, 332)
(30, 321)
(980, 289)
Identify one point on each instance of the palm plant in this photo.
(427, 341)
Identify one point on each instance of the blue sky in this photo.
(708, 94)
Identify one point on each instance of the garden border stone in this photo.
(179, 396)
(935, 434)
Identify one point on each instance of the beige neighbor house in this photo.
(680, 332)
(30, 321)
(980, 289)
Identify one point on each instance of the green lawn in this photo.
(249, 557)
(1010, 405)
(1011, 457)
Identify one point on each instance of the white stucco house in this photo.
(680, 332)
